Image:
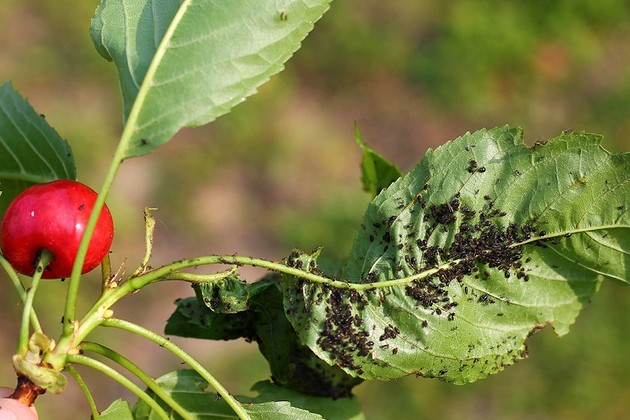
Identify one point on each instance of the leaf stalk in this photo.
(180, 353)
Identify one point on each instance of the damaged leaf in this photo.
(483, 243)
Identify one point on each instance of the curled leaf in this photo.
(44, 377)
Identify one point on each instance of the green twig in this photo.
(139, 373)
(173, 270)
(100, 310)
(115, 375)
(177, 351)
(200, 278)
(84, 388)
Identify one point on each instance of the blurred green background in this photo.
(282, 171)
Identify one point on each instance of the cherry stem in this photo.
(45, 257)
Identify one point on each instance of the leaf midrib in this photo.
(147, 81)
(446, 265)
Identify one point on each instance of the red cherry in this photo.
(53, 216)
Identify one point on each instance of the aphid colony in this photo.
(480, 244)
(448, 238)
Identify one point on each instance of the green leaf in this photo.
(31, 152)
(183, 63)
(118, 410)
(456, 264)
(194, 394)
(193, 319)
(292, 364)
(377, 173)
(338, 409)
(228, 296)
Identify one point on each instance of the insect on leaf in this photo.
(484, 242)
(293, 365)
